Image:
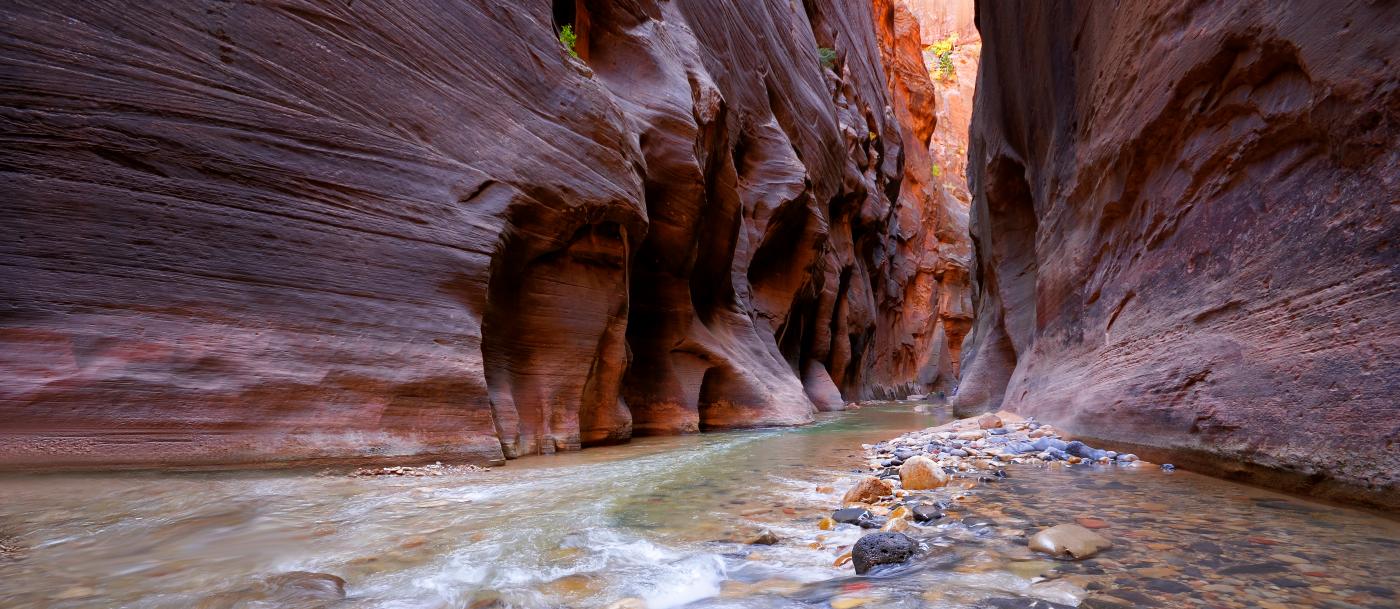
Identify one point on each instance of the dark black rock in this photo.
(850, 515)
(1254, 569)
(1205, 547)
(1167, 467)
(882, 549)
(1079, 449)
(925, 512)
(1168, 586)
(1380, 591)
(1284, 582)
(1137, 598)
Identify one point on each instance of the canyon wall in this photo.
(1185, 216)
(307, 230)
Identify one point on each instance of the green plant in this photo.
(937, 171)
(827, 56)
(568, 37)
(943, 52)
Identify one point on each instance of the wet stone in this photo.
(852, 516)
(925, 512)
(882, 549)
(1021, 603)
(1167, 585)
(1254, 569)
(1138, 599)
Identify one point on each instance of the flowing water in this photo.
(667, 520)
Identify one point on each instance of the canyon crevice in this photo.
(1185, 217)
(299, 231)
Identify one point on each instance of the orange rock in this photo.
(868, 490)
(988, 421)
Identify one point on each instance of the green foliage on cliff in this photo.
(827, 56)
(943, 51)
(568, 37)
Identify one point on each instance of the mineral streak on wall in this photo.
(273, 232)
(1186, 217)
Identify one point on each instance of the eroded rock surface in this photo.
(1186, 217)
(304, 230)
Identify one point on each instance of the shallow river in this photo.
(667, 520)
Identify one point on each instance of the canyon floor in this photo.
(731, 519)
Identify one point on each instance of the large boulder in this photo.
(882, 549)
(1069, 541)
(869, 490)
(922, 473)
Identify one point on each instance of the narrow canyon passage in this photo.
(643, 304)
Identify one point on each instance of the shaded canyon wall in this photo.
(313, 230)
(1185, 216)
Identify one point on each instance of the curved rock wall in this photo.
(309, 230)
(1186, 219)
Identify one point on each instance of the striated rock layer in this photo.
(1186, 217)
(310, 230)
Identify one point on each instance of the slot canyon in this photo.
(264, 260)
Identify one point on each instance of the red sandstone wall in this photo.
(305, 230)
(1186, 219)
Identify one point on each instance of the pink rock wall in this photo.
(1186, 219)
(299, 231)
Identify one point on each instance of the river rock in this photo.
(922, 473)
(988, 421)
(869, 490)
(765, 538)
(1069, 540)
(851, 515)
(882, 549)
(925, 512)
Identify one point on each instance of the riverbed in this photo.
(670, 521)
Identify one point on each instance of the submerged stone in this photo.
(1069, 540)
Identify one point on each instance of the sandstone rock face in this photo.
(291, 231)
(926, 306)
(1186, 219)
